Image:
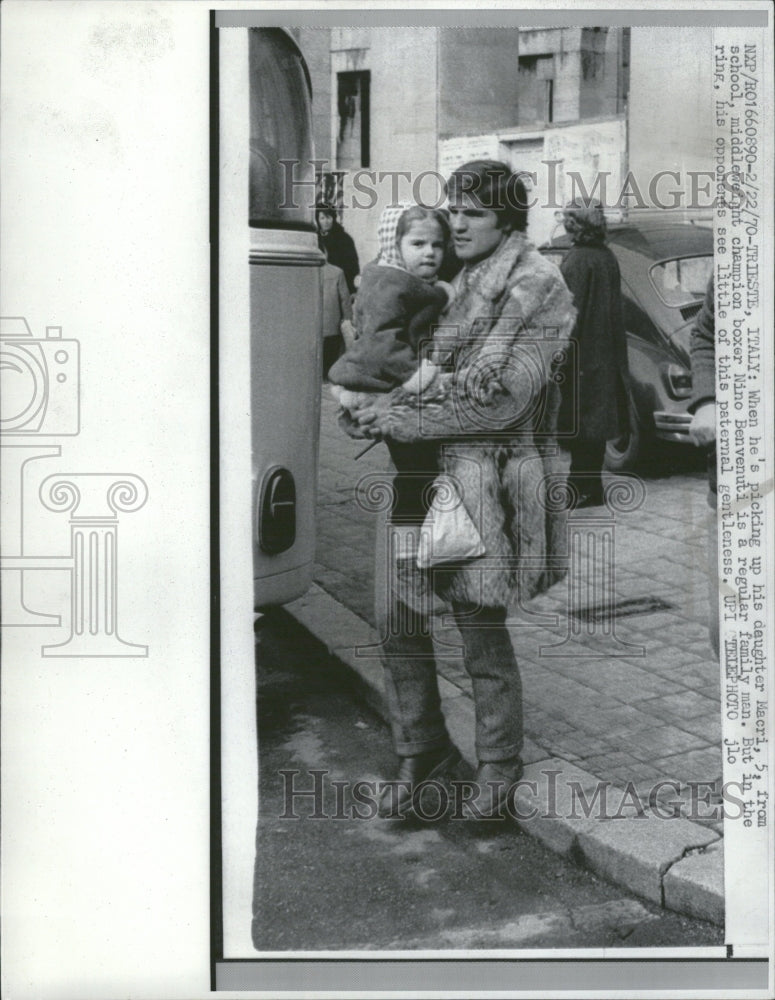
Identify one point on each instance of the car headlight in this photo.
(680, 381)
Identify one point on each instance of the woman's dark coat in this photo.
(341, 251)
(594, 402)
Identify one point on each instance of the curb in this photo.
(679, 865)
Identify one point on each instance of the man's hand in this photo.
(702, 429)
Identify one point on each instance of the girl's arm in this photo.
(502, 384)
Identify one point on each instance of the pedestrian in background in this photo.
(337, 243)
(594, 403)
(337, 314)
(702, 431)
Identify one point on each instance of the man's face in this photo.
(475, 232)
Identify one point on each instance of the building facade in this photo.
(396, 109)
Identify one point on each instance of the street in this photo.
(339, 883)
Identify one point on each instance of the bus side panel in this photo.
(285, 324)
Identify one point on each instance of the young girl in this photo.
(398, 303)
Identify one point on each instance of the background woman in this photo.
(493, 415)
(595, 403)
(337, 243)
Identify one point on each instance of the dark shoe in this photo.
(493, 787)
(398, 800)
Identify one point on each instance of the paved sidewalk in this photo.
(636, 702)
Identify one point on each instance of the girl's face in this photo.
(325, 222)
(475, 232)
(422, 248)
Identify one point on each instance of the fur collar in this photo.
(490, 275)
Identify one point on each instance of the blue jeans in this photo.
(404, 603)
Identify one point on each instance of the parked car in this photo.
(665, 267)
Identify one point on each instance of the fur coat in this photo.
(493, 413)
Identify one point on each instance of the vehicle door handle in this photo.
(277, 511)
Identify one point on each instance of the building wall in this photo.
(601, 76)
(478, 79)
(670, 106)
(403, 116)
(564, 45)
(460, 149)
(315, 43)
(586, 70)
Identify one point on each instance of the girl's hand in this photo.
(347, 330)
(372, 417)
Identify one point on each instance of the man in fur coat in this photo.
(493, 416)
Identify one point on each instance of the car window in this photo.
(681, 281)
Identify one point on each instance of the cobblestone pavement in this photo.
(638, 702)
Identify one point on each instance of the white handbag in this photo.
(447, 534)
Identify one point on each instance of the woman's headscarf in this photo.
(389, 254)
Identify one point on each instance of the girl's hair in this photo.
(494, 186)
(585, 221)
(418, 213)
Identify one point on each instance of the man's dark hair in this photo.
(493, 186)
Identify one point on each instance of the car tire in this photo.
(624, 451)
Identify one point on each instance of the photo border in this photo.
(687, 968)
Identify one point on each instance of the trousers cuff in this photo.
(405, 748)
(492, 755)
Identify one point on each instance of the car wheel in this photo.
(623, 452)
